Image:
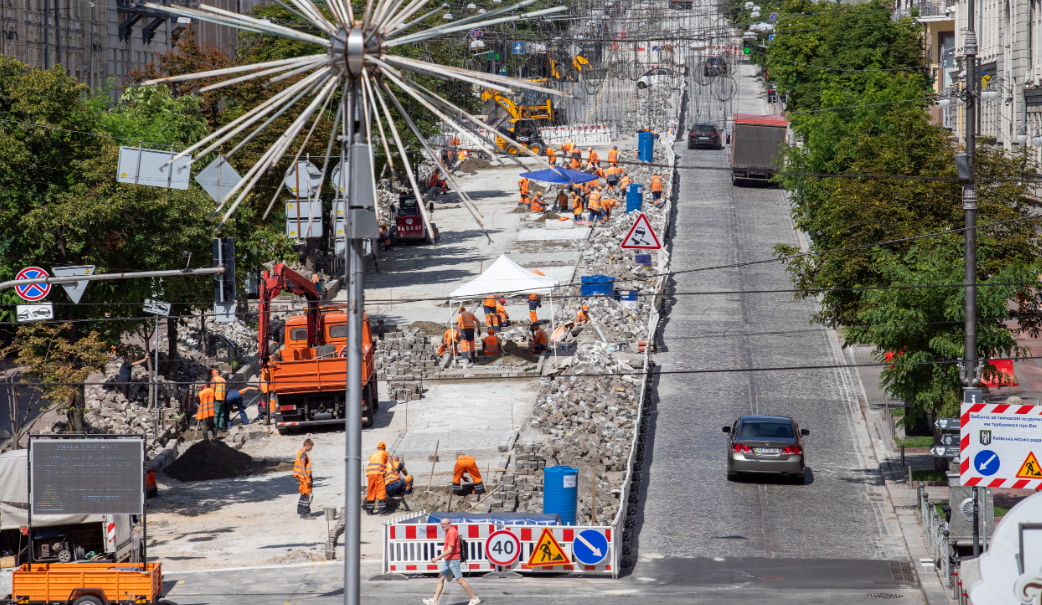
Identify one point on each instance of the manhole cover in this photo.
(886, 595)
(770, 578)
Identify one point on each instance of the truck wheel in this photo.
(536, 148)
(367, 408)
(511, 150)
(87, 600)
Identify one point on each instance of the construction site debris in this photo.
(208, 460)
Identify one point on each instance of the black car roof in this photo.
(766, 418)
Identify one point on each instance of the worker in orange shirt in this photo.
(607, 205)
(534, 302)
(375, 473)
(656, 188)
(467, 323)
(595, 204)
(583, 315)
(612, 174)
(562, 200)
(551, 156)
(624, 182)
(613, 156)
(576, 163)
(205, 414)
(522, 186)
(592, 159)
(490, 345)
(220, 389)
(501, 310)
(489, 305)
(437, 183)
(538, 203)
(466, 465)
(449, 342)
(577, 208)
(151, 487)
(537, 341)
(302, 472)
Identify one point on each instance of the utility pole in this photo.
(969, 370)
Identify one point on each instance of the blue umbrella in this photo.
(555, 176)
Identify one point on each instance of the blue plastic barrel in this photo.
(629, 295)
(596, 284)
(634, 197)
(646, 145)
(560, 492)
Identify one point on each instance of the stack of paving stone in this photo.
(403, 357)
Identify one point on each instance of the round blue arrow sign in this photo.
(590, 547)
(986, 462)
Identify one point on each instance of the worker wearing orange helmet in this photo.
(583, 315)
(490, 345)
(375, 475)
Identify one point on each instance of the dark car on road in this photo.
(714, 66)
(766, 444)
(704, 134)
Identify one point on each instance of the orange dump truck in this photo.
(86, 584)
(309, 374)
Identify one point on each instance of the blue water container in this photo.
(560, 492)
(634, 198)
(646, 145)
(596, 284)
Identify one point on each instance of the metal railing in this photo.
(935, 534)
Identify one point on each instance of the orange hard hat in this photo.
(585, 307)
(491, 330)
(381, 444)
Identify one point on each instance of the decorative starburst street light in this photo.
(358, 64)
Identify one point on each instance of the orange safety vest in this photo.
(551, 154)
(656, 183)
(534, 297)
(594, 158)
(538, 205)
(150, 480)
(577, 205)
(611, 172)
(540, 337)
(502, 311)
(613, 155)
(219, 386)
(625, 182)
(435, 181)
(302, 466)
(490, 344)
(205, 404)
(523, 186)
(595, 201)
(490, 301)
(379, 461)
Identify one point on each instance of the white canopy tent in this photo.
(506, 277)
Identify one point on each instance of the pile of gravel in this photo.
(208, 460)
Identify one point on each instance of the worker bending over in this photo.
(490, 345)
(551, 156)
(656, 188)
(501, 310)
(302, 472)
(379, 461)
(537, 341)
(449, 342)
(538, 203)
(592, 159)
(583, 315)
(397, 481)
(612, 174)
(466, 465)
(437, 183)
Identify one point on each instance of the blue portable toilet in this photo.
(634, 197)
(560, 492)
(646, 145)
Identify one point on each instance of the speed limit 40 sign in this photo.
(502, 548)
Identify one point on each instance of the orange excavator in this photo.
(309, 373)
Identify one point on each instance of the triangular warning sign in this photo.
(1030, 469)
(641, 236)
(547, 551)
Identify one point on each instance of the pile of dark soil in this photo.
(429, 328)
(209, 460)
(472, 165)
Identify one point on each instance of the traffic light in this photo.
(224, 283)
(747, 46)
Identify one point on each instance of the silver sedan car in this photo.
(766, 444)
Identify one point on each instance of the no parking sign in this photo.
(33, 292)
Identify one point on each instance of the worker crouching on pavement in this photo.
(490, 345)
(538, 203)
(449, 342)
(302, 471)
(537, 341)
(466, 466)
(583, 315)
(501, 310)
(656, 189)
(397, 481)
(379, 461)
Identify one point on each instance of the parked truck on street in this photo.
(756, 146)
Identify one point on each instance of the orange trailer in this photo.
(86, 584)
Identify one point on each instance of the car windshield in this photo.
(766, 430)
(705, 129)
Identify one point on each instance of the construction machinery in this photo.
(522, 122)
(567, 69)
(87, 584)
(308, 374)
(408, 222)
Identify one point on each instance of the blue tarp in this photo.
(552, 176)
(504, 518)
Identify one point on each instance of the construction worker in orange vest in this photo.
(613, 156)
(466, 465)
(449, 342)
(577, 208)
(467, 323)
(263, 409)
(437, 182)
(576, 163)
(497, 322)
(537, 341)
(489, 305)
(612, 174)
(501, 310)
(151, 487)
(538, 203)
(379, 461)
(205, 414)
(220, 388)
(397, 481)
(595, 205)
(592, 159)
(551, 156)
(522, 186)
(534, 302)
(625, 182)
(562, 200)
(583, 315)
(607, 205)
(490, 344)
(302, 472)
(656, 188)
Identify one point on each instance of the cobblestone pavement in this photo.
(841, 512)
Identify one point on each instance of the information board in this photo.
(87, 476)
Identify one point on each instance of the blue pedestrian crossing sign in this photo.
(519, 48)
(986, 462)
(590, 547)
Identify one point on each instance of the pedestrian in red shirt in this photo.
(450, 567)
